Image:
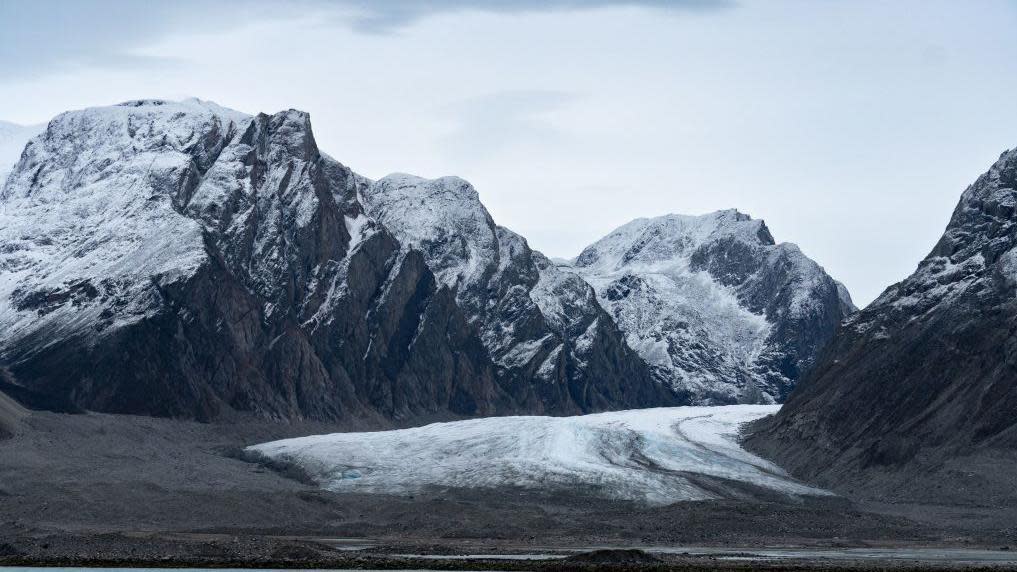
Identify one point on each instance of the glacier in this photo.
(657, 456)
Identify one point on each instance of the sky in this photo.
(851, 127)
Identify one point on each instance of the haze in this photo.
(850, 127)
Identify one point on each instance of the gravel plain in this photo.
(101, 489)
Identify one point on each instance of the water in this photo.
(930, 555)
(955, 556)
(924, 555)
(90, 569)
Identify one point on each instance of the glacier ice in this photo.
(656, 456)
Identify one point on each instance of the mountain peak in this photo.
(541, 325)
(237, 238)
(443, 217)
(669, 237)
(714, 304)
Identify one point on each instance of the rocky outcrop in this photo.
(926, 373)
(714, 305)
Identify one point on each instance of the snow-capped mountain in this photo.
(543, 327)
(184, 259)
(714, 305)
(932, 362)
(658, 456)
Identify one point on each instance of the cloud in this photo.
(489, 124)
(386, 16)
(40, 37)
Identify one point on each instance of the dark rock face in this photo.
(245, 286)
(927, 372)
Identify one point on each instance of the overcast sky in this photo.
(850, 127)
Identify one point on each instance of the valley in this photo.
(128, 489)
(221, 346)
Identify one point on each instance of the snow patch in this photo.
(88, 217)
(442, 217)
(359, 228)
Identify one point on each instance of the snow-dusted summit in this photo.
(714, 305)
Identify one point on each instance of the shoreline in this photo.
(183, 550)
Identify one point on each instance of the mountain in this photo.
(186, 260)
(181, 259)
(714, 305)
(921, 385)
(553, 344)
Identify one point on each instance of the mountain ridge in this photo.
(184, 259)
(546, 331)
(210, 248)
